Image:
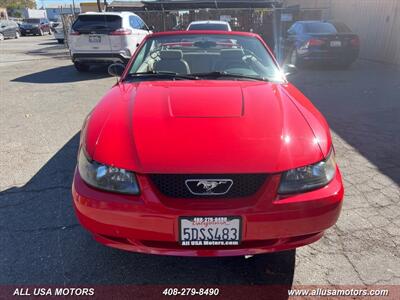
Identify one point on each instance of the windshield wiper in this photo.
(194, 76)
(162, 74)
(217, 74)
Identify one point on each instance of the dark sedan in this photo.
(35, 26)
(309, 42)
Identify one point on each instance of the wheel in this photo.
(81, 67)
(295, 59)
(1, 37)
(60, 41)
(17, 34)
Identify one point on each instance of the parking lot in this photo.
(43, 103)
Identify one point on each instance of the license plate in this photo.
(210, 231)
(28, 31)
(336, 44)
(94, 38)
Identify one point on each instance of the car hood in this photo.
(206, 127)
(29, 25)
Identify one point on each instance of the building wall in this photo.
(90, 6)
(54, 13)
(377, 22)
(34, 13)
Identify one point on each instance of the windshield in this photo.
(33, 21)
(209, 26)
(320, 27)
(205, 54)
(341, 27)
(88, 23)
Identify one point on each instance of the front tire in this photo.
(295, 59)
(81, 67)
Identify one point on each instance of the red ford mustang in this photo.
(204, 149)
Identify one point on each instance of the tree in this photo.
(17, 4)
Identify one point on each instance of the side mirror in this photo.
(289, 69)
(116, 69)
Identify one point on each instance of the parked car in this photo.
(59, 33)
(321, 42)
(54, 24)
(104, 38)
(35, 26)
(209, 25)
(203, 148)
(9, 30)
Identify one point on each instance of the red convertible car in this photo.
(203, 148)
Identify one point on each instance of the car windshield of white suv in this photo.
(201, 56)
(97, 23)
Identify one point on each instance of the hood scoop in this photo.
(206, 102)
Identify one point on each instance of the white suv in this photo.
(105, 37)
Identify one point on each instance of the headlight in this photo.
(106, 177)
(309, 177)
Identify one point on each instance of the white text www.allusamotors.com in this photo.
(337, 292)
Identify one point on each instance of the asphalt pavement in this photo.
(43, 102)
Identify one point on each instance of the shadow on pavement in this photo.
(52, 43)
(55, 50)
(64, 74)
(362, 106)
(42, 243)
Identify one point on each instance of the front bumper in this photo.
(59, 35)
(99, 58)
(148, 223)
(27, 31)
(330, 56)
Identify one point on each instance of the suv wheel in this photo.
(81, 67)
